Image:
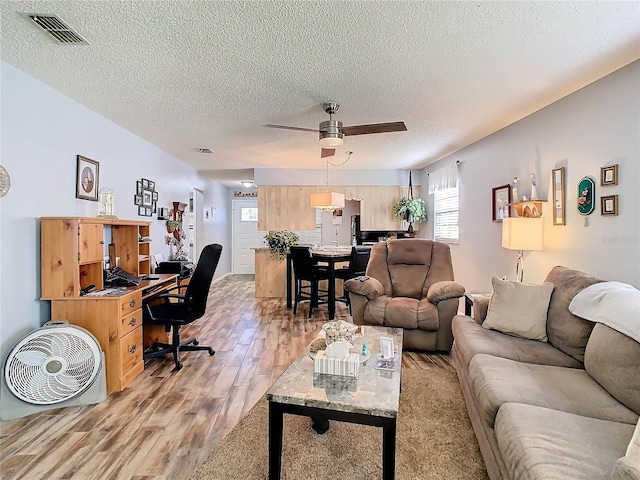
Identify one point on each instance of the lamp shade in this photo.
(523, 233)
(327, 200)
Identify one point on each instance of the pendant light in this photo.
(329, 201)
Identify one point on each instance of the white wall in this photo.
(42, 131)
(596, 126)
(337, 176)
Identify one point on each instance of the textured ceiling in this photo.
(190, 74)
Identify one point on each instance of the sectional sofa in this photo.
(564, 408)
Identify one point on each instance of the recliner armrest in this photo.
(370, 288)
(444, 290)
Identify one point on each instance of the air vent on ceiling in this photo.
(57, 29)
(204, 150)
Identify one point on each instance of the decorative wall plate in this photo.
(5, 181)
(586, 196)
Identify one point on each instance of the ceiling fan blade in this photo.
(374, 128)
(327, 152)
(285, 127)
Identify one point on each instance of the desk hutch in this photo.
(72, 253)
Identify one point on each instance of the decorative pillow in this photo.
(615, 304)
(519, 309)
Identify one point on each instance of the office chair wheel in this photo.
(211, 352)
(196, 342)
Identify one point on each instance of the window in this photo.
(445, 215)
(248, 214)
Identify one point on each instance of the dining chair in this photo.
(308, 275)
(358, 262)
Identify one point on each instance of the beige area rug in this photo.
(435, 440)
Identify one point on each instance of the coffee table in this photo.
(371, 398)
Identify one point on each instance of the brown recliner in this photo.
(410, 285)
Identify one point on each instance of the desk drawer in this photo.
(130, 322)
(130, 303)
(131, 351)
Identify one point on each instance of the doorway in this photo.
(245, 236)
(196, 232)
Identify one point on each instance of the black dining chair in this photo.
(175, 310)
(307, 274)
(357, 266)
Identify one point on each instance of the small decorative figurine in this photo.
(534, 192)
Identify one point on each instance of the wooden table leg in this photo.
(275, 440)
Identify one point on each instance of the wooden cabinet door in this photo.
(90, 242)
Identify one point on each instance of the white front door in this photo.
(245, 235)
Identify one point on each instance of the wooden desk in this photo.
(116, 322)
(331, 257)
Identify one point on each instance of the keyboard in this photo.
(129, 277)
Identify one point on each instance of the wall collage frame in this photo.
(146, 197)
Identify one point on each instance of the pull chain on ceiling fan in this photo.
(331, 132)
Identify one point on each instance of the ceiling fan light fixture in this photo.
(331, 134)
(327, 201)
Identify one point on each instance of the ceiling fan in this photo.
(331, 132)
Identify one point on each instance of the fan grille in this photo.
(51, 367)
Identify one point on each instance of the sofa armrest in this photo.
(444, 291)
(370, 288)
(480, 308)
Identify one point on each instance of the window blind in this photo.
(446, 209)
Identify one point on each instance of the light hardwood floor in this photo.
(166, 423)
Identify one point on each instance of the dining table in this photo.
(330, 256)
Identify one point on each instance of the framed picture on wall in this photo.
(609, 205)
(87, 178)
(147, 197)
(500, 200)
(609, 175)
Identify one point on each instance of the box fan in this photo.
(58, 365)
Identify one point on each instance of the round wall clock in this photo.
(586, 196)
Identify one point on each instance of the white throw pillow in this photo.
(615, 304)
(519, 309)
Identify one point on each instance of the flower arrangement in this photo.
(279, 242)
(410, 209)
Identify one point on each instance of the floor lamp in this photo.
(522, 234)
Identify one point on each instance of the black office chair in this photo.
(307, 275)
(357, 266)
(177, 310)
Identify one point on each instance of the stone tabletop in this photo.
(372, 392)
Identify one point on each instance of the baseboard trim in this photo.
(216, 280)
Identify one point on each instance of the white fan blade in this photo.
(69, 382)
(33, 358)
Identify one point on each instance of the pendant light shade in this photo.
(327, 201)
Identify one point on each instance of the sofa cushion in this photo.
(628, 467)
(496, 381)
(402, 312)
(519, 309)
(566, 331)
(613, 360)
(471, 339)
(538, 442)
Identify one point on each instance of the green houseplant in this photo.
(279, 242)
(412, 210)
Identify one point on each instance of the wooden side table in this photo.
(468, 300)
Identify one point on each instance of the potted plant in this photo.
(172, 225)
(413, 210)
(279, 242)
